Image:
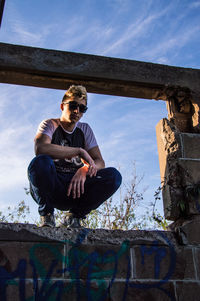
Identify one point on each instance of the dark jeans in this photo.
(49, 188)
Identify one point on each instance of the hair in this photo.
(75, 91)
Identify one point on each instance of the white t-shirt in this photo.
(81, 136)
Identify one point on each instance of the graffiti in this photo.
(160, 254)
(82, 272)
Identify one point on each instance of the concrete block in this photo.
(159, 262)
(179, 159)
(174, 192)
(191, 176)
(171, 198)
(85, 290)
(191, 170)
(97, 261)
(17, 291)
(142, 291)
(55, 290)
(80, 290)
(19, 259)
(197, 259)
(190, 145)
(191, 230)
(188, 291)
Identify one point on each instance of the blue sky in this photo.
(159, 31)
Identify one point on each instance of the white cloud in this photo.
(20, 111)
(171, 43)
(87, 39)
(24, 35)
(134, 30)
(120, 5)
(15, 153)
(20, 31)
(195, 4)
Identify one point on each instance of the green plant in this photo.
(15, 215)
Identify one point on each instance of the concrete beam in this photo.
(2, 3)
(55, 69)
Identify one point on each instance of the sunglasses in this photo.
(73, 105)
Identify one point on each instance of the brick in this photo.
(188, 291)
(21, 259)
(142, 291)
(97, 261)
(159, 262)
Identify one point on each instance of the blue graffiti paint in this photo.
(19, 273)
(165, 279)
(128, 275)
(47, 288)
(91, 275)
(76, 260)
(81, 236)
(159, 252)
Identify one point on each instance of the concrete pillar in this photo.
(179, 156)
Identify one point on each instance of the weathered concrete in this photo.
(187, 231)
(62, 264)
(169, 150)
(30, 232)
(103, 75)
(178, 140)
(179, 159)
(190, 145)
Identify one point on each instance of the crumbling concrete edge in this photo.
(30, 232)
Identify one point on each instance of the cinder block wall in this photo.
(179, 159)
(61, 264)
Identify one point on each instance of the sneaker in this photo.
(47, 220)
(70, 221)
